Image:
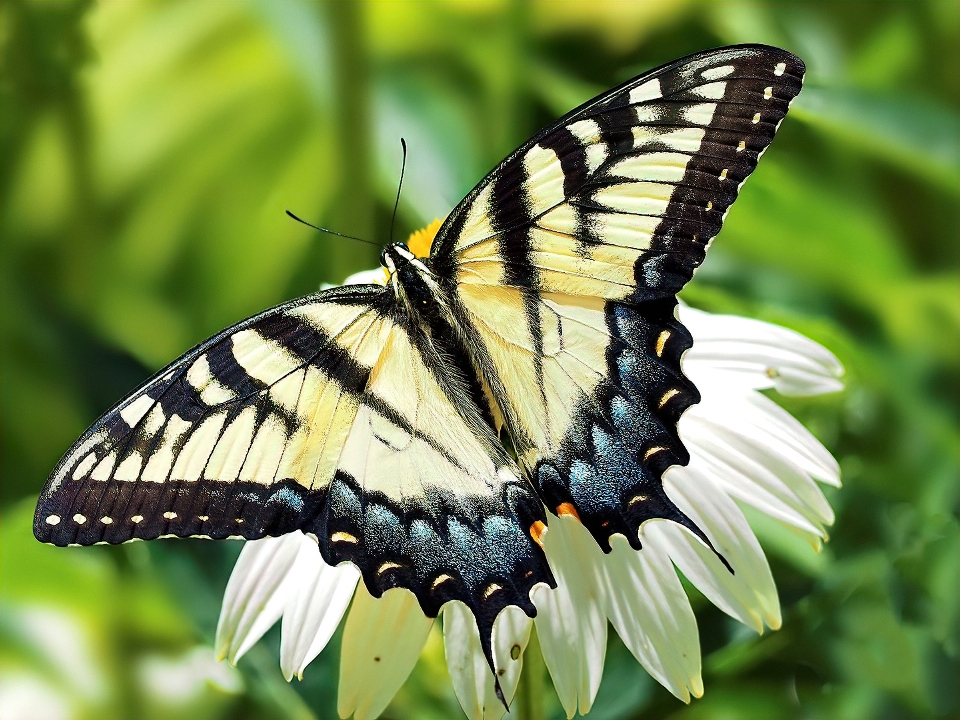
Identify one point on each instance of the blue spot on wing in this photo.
(289, 498)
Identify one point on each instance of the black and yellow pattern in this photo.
(565, 263)
(334, 415)
(543, 320)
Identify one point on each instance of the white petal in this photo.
(471, 676)
(367, 277)
(792, 439)
(571, 622)
(755, 462)
(649, 609)
(382, 640)
(756, 354)
(748, 489)
(257, 592)
(313, 612)
(748, 594)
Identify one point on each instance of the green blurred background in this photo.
(149, 149)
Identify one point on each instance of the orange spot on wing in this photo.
(567, 509)
(536, 532)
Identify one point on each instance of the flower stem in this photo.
(530, 691)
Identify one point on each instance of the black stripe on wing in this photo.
(484, 557)
(115, 484)
(624, 435)
(618, 200)
(720, 108)
(756, 94)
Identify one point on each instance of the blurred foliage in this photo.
(149, 149)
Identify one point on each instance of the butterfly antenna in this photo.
(396, 204)
(332, 232)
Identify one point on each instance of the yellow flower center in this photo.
(419, 244)
(420, 241)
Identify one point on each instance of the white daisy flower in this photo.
(745, 450)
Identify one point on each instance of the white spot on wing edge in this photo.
(711, 91)
(52, 520)
(650, 90)
(717, 72)
(778, 70)
(129, 469)
(701, 114)
(133, 412)
(84, 466)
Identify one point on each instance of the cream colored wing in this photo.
(239, 437)
(333, 415)
(564, 264)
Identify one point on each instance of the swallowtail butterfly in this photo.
(530, 364)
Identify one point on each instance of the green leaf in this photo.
(916, 134)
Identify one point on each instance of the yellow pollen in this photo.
(420, 241)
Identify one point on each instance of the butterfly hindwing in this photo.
(332, 415)
(606, 215)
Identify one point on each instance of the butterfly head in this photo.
(411, 279)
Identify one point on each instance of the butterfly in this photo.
(528, 365)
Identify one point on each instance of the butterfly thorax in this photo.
(410, 278)
(424, 302)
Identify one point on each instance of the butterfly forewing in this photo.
(564, 264)
(240, 436)
(333, 415)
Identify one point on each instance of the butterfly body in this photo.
(426, 429)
